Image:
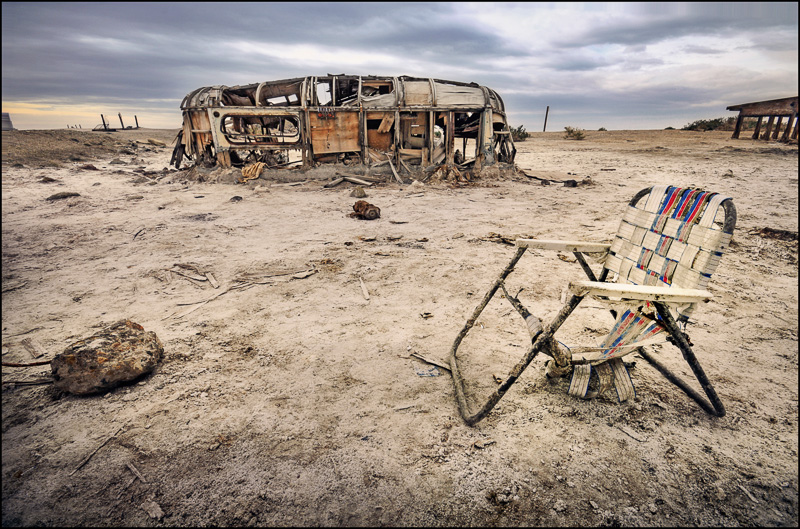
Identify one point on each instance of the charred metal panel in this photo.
(334, 131)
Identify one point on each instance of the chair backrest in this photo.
(672, 236)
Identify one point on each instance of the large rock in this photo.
(120, 353)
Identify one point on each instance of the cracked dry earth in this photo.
(295, 400)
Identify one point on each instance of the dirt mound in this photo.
(55, 148)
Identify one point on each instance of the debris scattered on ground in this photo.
(251, 172)
(364, 210)
(63, 195)
(781, 235)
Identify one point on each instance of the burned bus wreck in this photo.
(371, 120)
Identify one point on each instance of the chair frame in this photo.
(542, 336)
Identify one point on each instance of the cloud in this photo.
(624, 57)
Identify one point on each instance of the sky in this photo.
(614, 65)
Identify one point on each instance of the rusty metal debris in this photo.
(364, 210)
(350, 119)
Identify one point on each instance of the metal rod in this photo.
(688, 355)
(585, 266)
(546, 112)
(516, 371)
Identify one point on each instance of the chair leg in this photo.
(537, 344)
(715, 406)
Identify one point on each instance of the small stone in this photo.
(153, 510)
(560, 506)
(358, 192)
(62, 195)
(593, 504)
(653, 508)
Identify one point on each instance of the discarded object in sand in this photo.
(371, 120)
(120, 353)
(364, 210)
(654, 274)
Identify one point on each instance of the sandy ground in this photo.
(296, 401)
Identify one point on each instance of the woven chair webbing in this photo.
(672, 240)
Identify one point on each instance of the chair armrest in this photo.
(566, 246)
(639, 292)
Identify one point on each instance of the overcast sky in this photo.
(612, 65)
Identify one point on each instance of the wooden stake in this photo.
(97, 449)
(364, 289)
(136, 472)
(394, 171)
(33, 348)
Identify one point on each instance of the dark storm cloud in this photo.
(149, 55)
(653, 22)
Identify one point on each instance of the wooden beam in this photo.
(789, 123)
(777, 128)
(767, 132)
(758, 128)
(738, 128)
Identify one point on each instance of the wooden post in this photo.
(105, 127)
(546, 112)
(120, 120)
(738, 128)
(767, 132)
(757, 131)
(450, 135)
(137, 121)
(777, 128)
(794, 134)
(788, 130)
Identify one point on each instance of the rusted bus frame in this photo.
(205, 111)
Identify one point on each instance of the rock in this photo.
(116, 161)
(358, 192)
(152, 509)
(560, 506)
(63, 194)
(88, 167)
(158, 143)
(119, 353)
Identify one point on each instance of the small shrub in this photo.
(712, 124)
(574, 133)
(519, 133)
(602, 129)
(670, 128)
